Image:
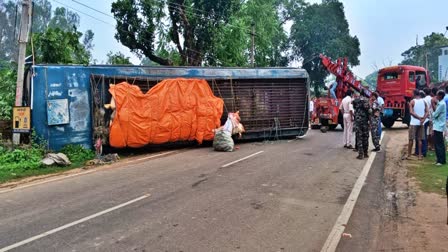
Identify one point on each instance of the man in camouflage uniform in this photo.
(375, 120)
(362, 111)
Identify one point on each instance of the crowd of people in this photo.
(428, 126)
(362, 116)
(429, 120)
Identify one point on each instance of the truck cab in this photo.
(396, 84)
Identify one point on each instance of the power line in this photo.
(102, 21)
(85, 5)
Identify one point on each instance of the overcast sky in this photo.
(385, 28)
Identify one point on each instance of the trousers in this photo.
(348, 129)
(439, 146)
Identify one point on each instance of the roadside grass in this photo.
(7, 176)
(431, 178)
(25, 161)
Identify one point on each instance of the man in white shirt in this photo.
(347, 111)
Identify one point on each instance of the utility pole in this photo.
(25, 23)
(252, 51)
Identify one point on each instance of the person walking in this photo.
(362, 107)
(374, 119)
(345, 108)
(419, 112)
(445, 99)
(439, 125)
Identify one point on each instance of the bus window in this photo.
(390, 76)
(421, 75)
(411, 76)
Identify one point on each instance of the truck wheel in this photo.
(388, 122)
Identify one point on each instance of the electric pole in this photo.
(252, 51)
(25, 23)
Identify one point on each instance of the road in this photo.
(285, 196)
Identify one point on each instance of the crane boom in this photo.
(340, 70)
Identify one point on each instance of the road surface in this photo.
(266, 196)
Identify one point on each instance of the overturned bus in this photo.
(67, 102)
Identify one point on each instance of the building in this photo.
(443, 64)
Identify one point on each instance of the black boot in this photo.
(360, 157)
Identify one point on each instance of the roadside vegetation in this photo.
(25, 160)
(430, 178)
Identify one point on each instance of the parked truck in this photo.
(396, 84)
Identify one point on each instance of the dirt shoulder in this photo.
(393, 213)
(411, 220)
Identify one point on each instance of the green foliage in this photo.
(8, 77)
(77, 153)
(21, 159)
(60, 47)
(195, 21)
(321, 28)
(430, 178)
(371, 80)
(428, 52)
(233, 41)
(117, 58)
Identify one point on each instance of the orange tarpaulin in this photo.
(173, 110)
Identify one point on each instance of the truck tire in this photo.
(388, 122)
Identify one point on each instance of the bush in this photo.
(8, 77)
(77, 153)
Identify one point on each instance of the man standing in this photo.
(439, 121)
(445, 99)
(380, 101)
(427, 98)
(374, 120)
(348, 119)
(361, 106)
(419, 112)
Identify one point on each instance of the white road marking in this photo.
(241, 159)
(157, 155)
(21, 243)
(338, 229)
(61, 177)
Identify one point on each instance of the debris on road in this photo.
(347, 235)
(59, 159)
(106, 159)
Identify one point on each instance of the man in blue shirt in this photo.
(439, 126)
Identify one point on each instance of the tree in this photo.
(321, 28)
(371, 80)
(8, 77)
(232, 43)
(64, 19)
(9, 15)
(57, 46)
(189, 25)
(117, 58)
(429, 53)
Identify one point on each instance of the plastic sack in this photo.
(173, 110)
(223, 141)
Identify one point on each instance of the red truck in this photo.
(396, 84)
(326, 109)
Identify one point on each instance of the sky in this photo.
(385, 28)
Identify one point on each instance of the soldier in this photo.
(374, 120)
(362, 111)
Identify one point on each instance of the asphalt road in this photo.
(286, 197)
